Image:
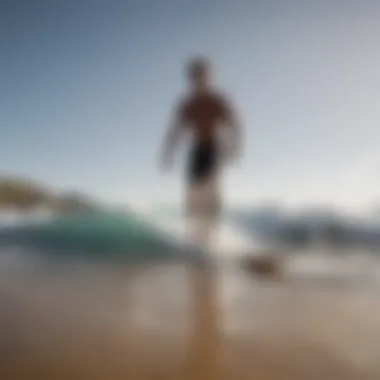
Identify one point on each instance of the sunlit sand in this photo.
(79, 322)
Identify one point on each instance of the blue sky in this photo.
(87, 88)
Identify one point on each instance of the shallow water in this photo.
(321, 318)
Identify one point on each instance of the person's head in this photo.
(199, 72)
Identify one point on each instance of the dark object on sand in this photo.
(265, 266)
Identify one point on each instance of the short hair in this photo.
(197, 65)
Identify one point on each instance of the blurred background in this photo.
(93, 256)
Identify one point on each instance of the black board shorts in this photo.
(203, 161)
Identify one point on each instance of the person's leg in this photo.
(203, 207)
(204, 349)
(203, 201)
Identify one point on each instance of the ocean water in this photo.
(325, 300)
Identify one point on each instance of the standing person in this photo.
(206, 113)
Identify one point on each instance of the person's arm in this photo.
(173, 136)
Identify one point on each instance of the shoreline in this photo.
(87, 324)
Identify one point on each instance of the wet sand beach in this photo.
(89, 322)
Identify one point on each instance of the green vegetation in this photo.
(22, 194)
